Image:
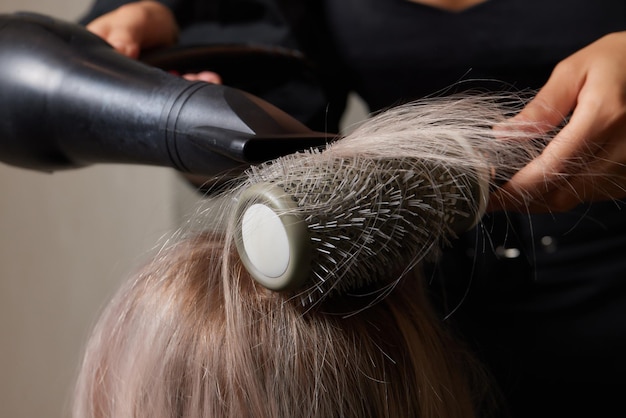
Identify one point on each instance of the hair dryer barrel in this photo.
(67, 99)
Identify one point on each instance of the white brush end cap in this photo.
(265, 241)
(272, 240)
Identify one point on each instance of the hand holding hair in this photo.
(586, 160)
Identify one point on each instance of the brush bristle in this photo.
(370, 219)
(397, 189)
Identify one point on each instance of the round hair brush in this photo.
(374, 204)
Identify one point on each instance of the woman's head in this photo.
(191, 335)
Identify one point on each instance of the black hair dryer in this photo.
(68, 99)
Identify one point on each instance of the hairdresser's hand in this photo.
(137, 26)
(586, 160)
(141, 25)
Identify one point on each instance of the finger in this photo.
(605, 180)
(207, 76)
(120, 37)
(549, 180)
(125, 44)
(99, 27)
(546, 111)
(556, 99)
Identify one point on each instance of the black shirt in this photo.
(397, 50)
(541, 297)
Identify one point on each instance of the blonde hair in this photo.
(187, 338)
(192, 335)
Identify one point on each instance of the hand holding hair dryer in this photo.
(68, 99)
